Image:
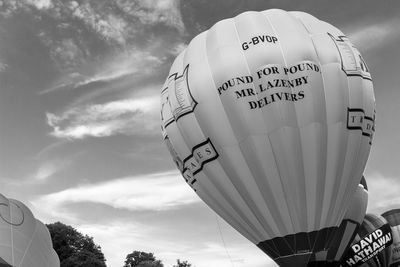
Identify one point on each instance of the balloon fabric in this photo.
(393, 218)
(24, 240)
(269, 116)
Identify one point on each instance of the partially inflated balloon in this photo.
(342, 236)
(24, 241)
(270, 116)
(393, 218)
(370, 245)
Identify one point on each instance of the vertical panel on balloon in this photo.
(226, 63)
(303, 73)
(229, 69)
(35, 253)
(351, 67)
(336, 90)
(5, 230)
(395, 246)
(261, 49)
(210, 107)
(206, 188)
(209, 185)
(206, 93)
(23, 232)
(262, 56)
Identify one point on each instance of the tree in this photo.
(142, 259)
(75, 249)
(180, 263)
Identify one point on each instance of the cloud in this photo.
(154, 11)
(127, 116)
(180, 242)
(3, 67)
(40, 4)
(153, 192)
(383, 193)
(375, 35)
(49, 168)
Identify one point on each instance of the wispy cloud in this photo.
(153, 192)
(49, 168)
(3, 66)
(40, 4)
(127, 116)
(375, 35)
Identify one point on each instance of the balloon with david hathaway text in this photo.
(269, 116)
(393, 218)
(371, 244)
(24, 240)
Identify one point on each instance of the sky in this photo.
(80, 138)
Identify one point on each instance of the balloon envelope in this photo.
(347, 230)
(24, 241)
(370, 245)
(393, 218)
(269, 116)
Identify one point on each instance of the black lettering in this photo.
(298, 81)
(240, 80)
(300, 95)
(262, 38)
(245, 46)
(287, 96)
(270, 85)
(259, 73)
(199, 155)
(244, 92)
(286, 70)
(305, 79)
(293, 69)
(274, 39)
(249, 79)
(262, 89)
(279, 94)
(273, 98)
(310, 66)
(208, 151)
(294, 97)
(252, 104)
(255, 40)
(240, 93)
(260, 103)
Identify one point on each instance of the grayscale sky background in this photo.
(80, 138)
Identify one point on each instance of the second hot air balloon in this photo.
(24, 240)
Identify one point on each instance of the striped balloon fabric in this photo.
(393, 217)
(370, 246)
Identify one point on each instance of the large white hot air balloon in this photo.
(270, 117)
(24, 240)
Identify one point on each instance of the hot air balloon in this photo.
(342, 236)
(393, 218)
(24, 240)
(370, 245)
(269, 116)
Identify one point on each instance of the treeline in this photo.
(78, 250)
